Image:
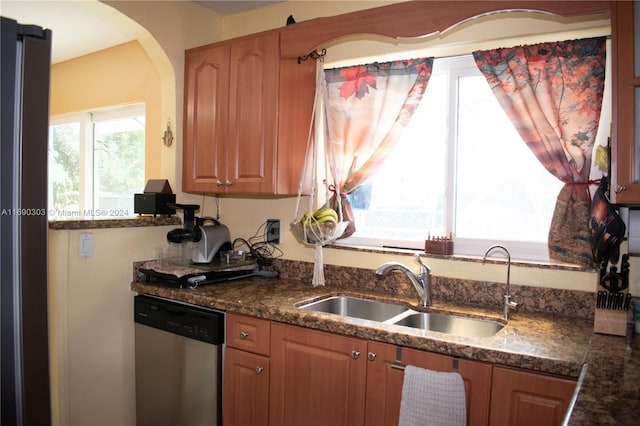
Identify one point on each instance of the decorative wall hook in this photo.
(313, 55)
(167, 137)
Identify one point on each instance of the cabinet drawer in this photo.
(248, 333)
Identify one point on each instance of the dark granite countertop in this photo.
(133, 222)
(609, 392)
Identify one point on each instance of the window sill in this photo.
(467, 258)
(139, 221)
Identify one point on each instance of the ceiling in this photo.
(82, 27)
(225, 8)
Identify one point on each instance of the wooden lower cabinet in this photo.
(311, 377)
(384, 383)
(245, 399)
(317, 378)
(523, 398)
(246, 389)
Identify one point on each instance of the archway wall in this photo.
(172, 28)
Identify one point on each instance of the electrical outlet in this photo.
(273, 231)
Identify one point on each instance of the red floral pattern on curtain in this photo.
(368, 107)
(552, 92)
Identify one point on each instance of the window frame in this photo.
(87, 121)
(530, 250)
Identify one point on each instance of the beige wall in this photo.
(116, 76)
(91, 323)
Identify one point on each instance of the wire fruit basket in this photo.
(318, 226)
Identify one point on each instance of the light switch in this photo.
(86, 245)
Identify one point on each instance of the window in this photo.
(461, 168)
(96, 163)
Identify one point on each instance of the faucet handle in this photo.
(508, 302)
(423, 268)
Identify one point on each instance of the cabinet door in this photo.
(253, 114)
(317, 378)
(246, 389)
(523, 398)
(625, 148)
(384, 383)
(296, 97)
(206, 100)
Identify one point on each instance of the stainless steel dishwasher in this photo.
(178, 362)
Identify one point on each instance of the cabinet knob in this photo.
(371, 356)
(228, 183)
(355, 354)
(620, 188)
(219, 183)
(244, 335)
(259, 370)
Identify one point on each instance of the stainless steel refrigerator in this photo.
(24, 120)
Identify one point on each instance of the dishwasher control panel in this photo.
(206, 325)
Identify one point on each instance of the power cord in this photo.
(263, 251)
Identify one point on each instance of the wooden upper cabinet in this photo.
(247, 116)
(625, 146)
(253, 113)
(205, 116)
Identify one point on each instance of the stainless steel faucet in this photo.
(421, 282)
(508, 303)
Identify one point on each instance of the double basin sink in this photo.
(397, 314)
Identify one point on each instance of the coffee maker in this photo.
(209, 235)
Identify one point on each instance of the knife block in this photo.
(610, 321)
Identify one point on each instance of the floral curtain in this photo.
(368, 107)
(552, 92)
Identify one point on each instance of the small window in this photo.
(96, 163)
(461, 168)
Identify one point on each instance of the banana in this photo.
(325, 212)
(327, 218)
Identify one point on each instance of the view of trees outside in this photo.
(64, 166)
(118, 162)
(113, 173)
(458, 151)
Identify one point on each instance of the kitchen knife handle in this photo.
(627, 301)
(620, 301)
(599, 298)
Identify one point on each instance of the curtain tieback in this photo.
(332, 188)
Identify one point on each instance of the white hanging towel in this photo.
(432, 398)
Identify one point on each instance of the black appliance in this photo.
(156, 199)
(24, 118)
(178, 363)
